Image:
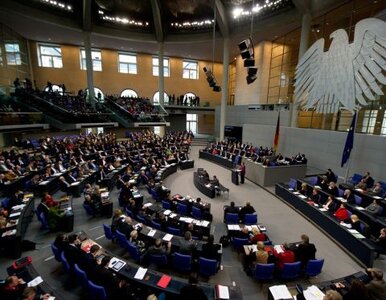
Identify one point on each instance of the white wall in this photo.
(323, 148)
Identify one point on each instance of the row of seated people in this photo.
(96, 267)
(235, 151)
(279, 255)
(138, 108)
(237, 214)
(15, 288)
(370, 287)
(340, 210)
(55, 155)
(365, 183)
(186, 245)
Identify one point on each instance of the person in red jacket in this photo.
(257, 236)
(287, 256)
(342, 213)
(49, 201)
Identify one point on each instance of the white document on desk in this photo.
(75, 183)
(140, 273)
(360, 208)
(205, 223)
(302, 197)
(34, 282)
(168, 237)
(280, 292)
(152, 232)
(313, 293)
(223, 292)
(15, 214)
(278, 249)
(147, 204)
(167, 212)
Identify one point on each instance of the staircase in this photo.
(201, 142)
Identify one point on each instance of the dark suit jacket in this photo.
(305, 252)
(73, 254)
(209, 251)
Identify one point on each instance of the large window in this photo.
(12, 51)
(369, 119)
(383, 128)
(50, 56)
(156, 98)
(96, 56)
(191, 122)
(97, 93)
(156, 67)
(127, 63)
(129, 93)
(55, 88)
(189, 69)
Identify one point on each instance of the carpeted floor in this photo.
(283, 224)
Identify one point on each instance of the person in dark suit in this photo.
(315, 196)
(333, 189)
(114, 287)
(368, 180)
(210, 250)
(187, 245)
(232, 209)
(192, 291)
(242, 172)
(247, 209)
(305, 250)
(330, 176)
(61, 241)
(72, 250)
(88, 262)
(348, 195)
(126, 227)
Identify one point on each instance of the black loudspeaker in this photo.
(249, 62)
(211, 80)
(252, 75)
(245, 44)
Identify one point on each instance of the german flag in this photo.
(277, 132)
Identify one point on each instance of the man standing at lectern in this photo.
(242, 173)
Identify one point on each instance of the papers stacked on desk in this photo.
(356, 234)
(322, 209)
(147, 204)
(44, 182)
(278, 249)
(9, 232)
(34, 282)
(173, 215)
(360, 208)
(167, 212)
(75, 183)
(233, 227)
(341, 199)
(313, 293)
(377, 197)
(18, 207)
(302, 197)
(280, 292)
(222, 292)
(140, 273)
(168, 237)
(186, 219)
(152, 232)
(16, 214)
(296, 193)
